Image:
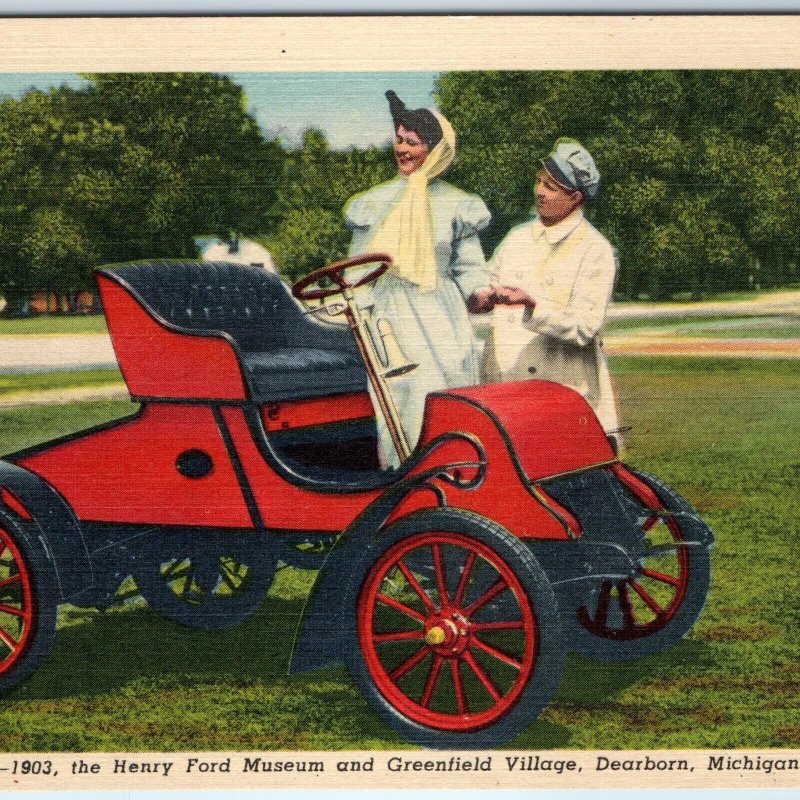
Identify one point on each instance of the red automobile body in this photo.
(129, 472)
(195, 398)
(255, 445)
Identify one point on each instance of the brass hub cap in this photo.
(447, 634)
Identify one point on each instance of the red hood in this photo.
(550, 427)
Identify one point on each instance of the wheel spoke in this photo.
(176, 570)
(433, 679)
(400, 636)
(441, 580)
(8, 641)
(511, 625)
(231, 580)
(9, 581)
(603, 602)
(498, 588)
(410, 664)
(398, 606)
(17, 612)
(647, 597)
(465, 575)
(650, 523)
(187, 584)
(234, 575)
(628, 616)
(415, 585)
(495, 653)
(660, 576)
(482, 676)
(458, 685)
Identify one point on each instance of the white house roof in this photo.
(243, 251)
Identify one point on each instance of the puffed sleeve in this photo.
(582, 317)
(467, 263)
(358, 212)
(359, 216)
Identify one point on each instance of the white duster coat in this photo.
(569, 270)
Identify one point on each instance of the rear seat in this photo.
(286, 354)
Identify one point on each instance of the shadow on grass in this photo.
(129, 651)
(104, 652)
(588, 682)
(588, 685)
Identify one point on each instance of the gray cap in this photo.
(571, 165)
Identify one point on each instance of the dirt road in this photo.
(711, 348)
(25, 354)
(774, 304)
(55, 352)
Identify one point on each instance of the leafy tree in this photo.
(132, 166)
(699, 168)
(317, 182)
(207, 166)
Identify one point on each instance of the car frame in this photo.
(451, 587)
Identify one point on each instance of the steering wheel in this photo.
(335, 272)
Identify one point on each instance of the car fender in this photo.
(318, 639)
(30, 498)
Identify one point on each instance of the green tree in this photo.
(699, 167)
(317, 182)
(208, 167)
(132, 166)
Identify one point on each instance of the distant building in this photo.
(237, 251)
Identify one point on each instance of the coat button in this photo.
(531, 370)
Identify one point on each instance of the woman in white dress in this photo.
(430, 228)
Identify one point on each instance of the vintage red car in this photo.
(451, 587)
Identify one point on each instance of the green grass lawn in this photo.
(723, 433)
(43, 381)
(56, 324)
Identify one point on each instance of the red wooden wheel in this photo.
(28, 603)
(449, 671)
(646, 603)
(16, 604)
(654, 608)
(456, 631)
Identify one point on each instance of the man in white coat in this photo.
(555, 277)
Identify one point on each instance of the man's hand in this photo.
(481, 302)
(512, 296)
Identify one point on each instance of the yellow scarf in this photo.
(407, 232)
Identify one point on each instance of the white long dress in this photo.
(433, 328)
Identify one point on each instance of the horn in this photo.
(396, 361)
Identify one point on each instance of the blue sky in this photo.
(348, 106)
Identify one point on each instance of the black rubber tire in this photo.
(587, 643)
(547, 667)
(167, 577)
(37, 566)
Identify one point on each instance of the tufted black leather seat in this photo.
(286, 354)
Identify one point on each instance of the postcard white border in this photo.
(355, 43)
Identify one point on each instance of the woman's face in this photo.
(409, 150)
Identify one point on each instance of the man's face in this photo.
(554, 202)
(409, 150)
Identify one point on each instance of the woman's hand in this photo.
(481, 302)
(512, 296)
